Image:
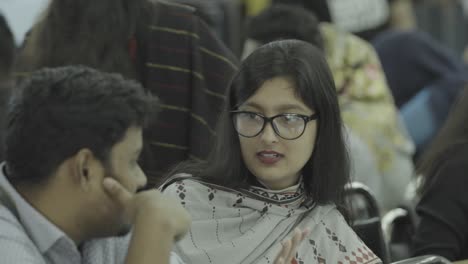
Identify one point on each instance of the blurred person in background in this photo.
(425, 78)
(443, 206)
(7, 55)
(364, 18)
(21, 15)
(163, 45)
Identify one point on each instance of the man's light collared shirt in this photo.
(26, 236)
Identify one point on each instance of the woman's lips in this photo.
(269, 157)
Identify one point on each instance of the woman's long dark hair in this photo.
(327, 171)
(453, 134)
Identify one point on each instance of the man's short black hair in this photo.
(281, 21)
(56, 112)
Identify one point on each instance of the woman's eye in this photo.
(251, 116)
(291, 118)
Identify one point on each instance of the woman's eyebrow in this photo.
(289, 107)
(279, 108)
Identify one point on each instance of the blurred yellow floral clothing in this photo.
(253, 7)
(366, 101)
(367, 106)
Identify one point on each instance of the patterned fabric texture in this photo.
(247, 226)
(189, 69)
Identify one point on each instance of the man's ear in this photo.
(83, 167)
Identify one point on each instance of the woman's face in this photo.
(276, 162)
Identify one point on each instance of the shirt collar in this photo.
(292, 188)
(41, 231)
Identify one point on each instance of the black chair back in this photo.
(365, 218)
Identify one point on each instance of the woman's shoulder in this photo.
(184, 184)
(328, 216)
(175, 181)
(326, 213)
(186, 188)
(171, 180)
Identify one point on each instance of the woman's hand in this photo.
(289, 246)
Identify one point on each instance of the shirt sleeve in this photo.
(18, 252)
(114, 250)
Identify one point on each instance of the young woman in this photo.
(280, 163)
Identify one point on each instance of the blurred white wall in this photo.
(21, 15)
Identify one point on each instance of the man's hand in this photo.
(150, 207)
(289, 246)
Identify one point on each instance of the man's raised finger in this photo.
(116, 191)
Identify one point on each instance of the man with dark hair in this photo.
(365, 18)
(281, 21)
(73, 139)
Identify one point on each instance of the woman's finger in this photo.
(305, 233)
(284, 252)
(296, 240)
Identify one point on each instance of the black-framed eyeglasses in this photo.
(287, 126)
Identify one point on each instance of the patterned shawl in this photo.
(246, 226)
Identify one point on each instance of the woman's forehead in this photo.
(277, 93)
